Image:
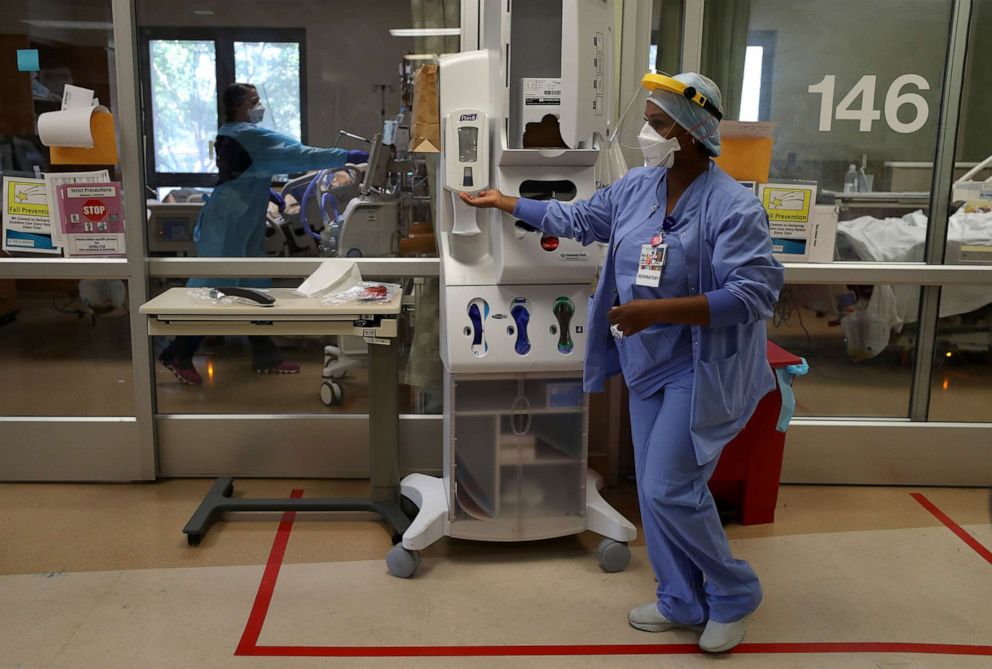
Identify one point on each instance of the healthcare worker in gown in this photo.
(232, 222)
(680, 310)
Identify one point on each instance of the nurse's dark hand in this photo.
(491, 198)
(634, 316)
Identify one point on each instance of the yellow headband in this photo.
(652, 82)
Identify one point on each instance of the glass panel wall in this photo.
(961, 384)
(272, 196)
(854, 110)
(226, 378)
(969, 235)
(859, 342)
(962, 373)
(49, 48)
(65, 343)
(65, 348)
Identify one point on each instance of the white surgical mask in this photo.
(657, 150)
(256, 113)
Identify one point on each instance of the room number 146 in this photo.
(866, 115)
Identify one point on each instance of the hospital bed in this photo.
(870, 316)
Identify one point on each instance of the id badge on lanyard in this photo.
(651, 264)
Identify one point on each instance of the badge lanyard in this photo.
(651, 262)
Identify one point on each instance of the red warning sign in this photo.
(94, 210)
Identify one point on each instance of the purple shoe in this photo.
(282, 368)
(187, 375)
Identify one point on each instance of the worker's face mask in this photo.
(256, 113)
(658, 151)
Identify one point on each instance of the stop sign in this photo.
(94, 210)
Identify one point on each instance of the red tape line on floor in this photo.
(249, 640)
(952, 526)
(616, 649)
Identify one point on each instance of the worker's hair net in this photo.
(700, 123)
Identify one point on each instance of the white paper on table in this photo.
(749, 129)
(74, 97)
(69, 127)
(52, 182)
(333, 274)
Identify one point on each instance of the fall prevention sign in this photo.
(800, 230)
(26, 222)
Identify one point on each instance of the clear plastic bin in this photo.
(519, 447)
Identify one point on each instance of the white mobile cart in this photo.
(514, 301)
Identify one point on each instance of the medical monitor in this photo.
(377, 172)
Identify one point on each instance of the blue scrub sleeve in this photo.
(725, 309)
(276, 153)
(586, 221)
(743, 263)
(530, 211)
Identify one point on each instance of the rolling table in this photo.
(176, 312)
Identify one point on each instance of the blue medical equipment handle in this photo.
(563, 311)
(521, 316)
(334, 207)
(476, 316)
(303, 205)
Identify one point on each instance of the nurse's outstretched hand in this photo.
(488, 199)
(634, 316)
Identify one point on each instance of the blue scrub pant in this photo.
(698, 577)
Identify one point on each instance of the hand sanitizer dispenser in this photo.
(466, 165)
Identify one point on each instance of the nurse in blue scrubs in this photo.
(680, 310)
(232, 222)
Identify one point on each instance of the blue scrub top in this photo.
(728, 260)
(661, 353)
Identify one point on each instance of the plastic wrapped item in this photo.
(364, 292)
(867, 331)
(218, 296)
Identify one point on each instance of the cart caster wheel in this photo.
(613, 556)
(401, 562)
(193, 539)
(331, 393)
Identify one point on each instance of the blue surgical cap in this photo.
(700, 123)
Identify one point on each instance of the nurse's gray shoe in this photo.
(721, 637)
(648, 618)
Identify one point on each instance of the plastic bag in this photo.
(365, 292)
(867, 331)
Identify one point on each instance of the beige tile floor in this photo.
(100, 576)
